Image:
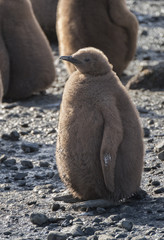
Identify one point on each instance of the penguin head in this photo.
(89, 61)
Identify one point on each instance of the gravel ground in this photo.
(31, 193)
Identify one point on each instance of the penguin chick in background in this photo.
(99, 150)
(25, 49)
(107, 25)
(45, 12)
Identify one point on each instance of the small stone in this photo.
(76, 231)
(159, 190)
(27, 164)
(105, 237)
(57, 236)
(20, 176)
(7, 233)
(89, 231)
(127, 225)
(5, 136)
(22, 183)
(55, 206)
(14, 136)
(161, 155)
(6, 188)
(10, 162)
(3, 158)
(44, 164)
(38, 218)
(29, 147)
(155, 183)
(146, 132)
(159, 147)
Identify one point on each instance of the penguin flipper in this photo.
(112, 137)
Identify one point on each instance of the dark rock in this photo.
(55, 206)
(22, 183)
(89, 231)
(38, 218)
(149, 77)
(121, 235)
(146, 132)
(126, 224)
(27, 164)
(155, 183)
(161, 155)
(76, 231)
(5, 136)
(159, 190)
(20, 176)
(44, 164)
(57, 236)
(29, 147)
(10, 162)
(14, 136)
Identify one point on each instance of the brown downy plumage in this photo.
(45, 12)
(107, 25)
(26, 51)
(99, 149)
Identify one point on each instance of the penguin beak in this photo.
(70, 59)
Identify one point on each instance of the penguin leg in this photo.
(112, 137)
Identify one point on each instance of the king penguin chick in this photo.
(26, 51)
(99, 150)
(107, 25)
(45, 12)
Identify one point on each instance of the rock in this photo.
(161, 155)
(146, 132)
(126, 224)
(10, 162)
(159, 147)
(20, 176)
(5, 136)
(14, 136)
(149, 77)
(3, 158)
(76, 231)
(55, 206)
(44, 164)
(89, 231)
(29, 147)
(57, 236)
(159, 190)
(38, 218)
(155, 183)
(27, 164)
(105, 237)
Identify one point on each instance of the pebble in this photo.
(76, 231)
(9, 162)
(38, 218)
(3, 158)
(20, 176)
(29, 147)
(89, 231)
(155, 183)
(44, 164)
(126, 224)
(146, 132)
(161, 155)
(159, 190)
(121, 235)
(27, 164)
(14, 136)
(57, 236)
(55, 206)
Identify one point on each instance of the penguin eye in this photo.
(86, 59)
